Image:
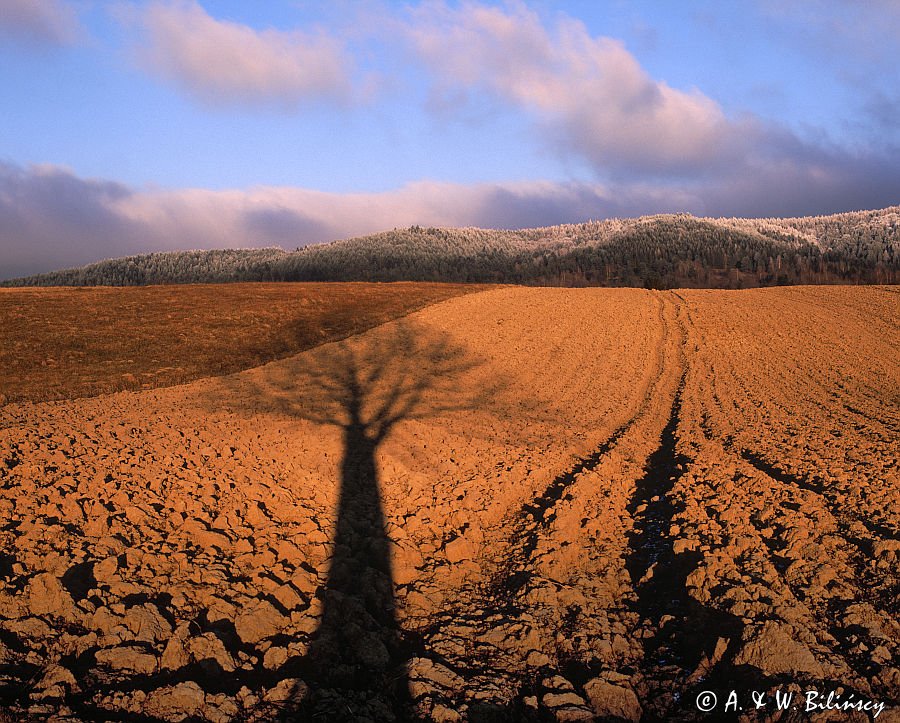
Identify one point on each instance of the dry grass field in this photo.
(517, 504)
(61, 343)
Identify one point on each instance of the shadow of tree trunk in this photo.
(356, 655)
(355, 665)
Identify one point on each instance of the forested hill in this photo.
(665, 251)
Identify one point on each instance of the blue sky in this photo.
(138, 126)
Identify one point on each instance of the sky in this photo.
(128, 127)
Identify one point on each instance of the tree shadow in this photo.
(355, 666)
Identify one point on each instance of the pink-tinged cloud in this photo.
(222, 62)
(41, 22)
(589, 94)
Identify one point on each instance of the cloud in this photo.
(225, 63)
(48, 215)
(589, 95)
(39, 22)
(883, 110)
(50, 218)
(832, 182)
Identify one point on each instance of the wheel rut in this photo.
(512, 570)
(535, 516)
(678, 631)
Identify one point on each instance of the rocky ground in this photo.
(521, 504)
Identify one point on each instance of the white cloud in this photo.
(589, 94)
(224, 62)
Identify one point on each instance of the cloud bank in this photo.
(50, 218)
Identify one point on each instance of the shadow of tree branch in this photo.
(355, 667)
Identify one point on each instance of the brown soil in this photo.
(61, 343)
(521, 504)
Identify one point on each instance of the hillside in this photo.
(663, 251)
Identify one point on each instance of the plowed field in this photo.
(518, 504)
